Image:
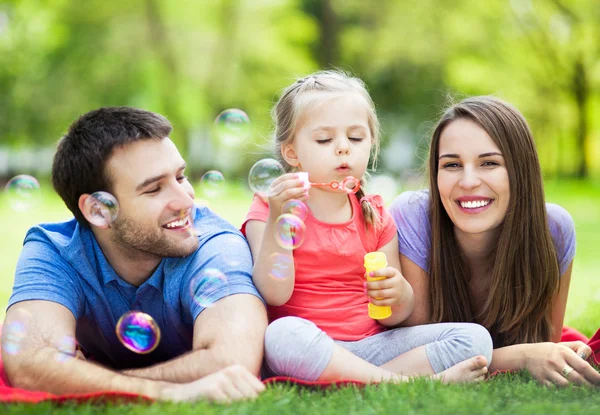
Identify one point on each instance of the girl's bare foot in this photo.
(470, 370)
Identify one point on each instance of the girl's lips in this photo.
(473, 211)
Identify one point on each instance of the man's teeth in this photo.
(177, 223)
(475, 204)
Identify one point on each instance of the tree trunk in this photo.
(581, 94)
(159, 40)
(329, 33)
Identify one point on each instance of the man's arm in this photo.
(229, 332)
(37, 360)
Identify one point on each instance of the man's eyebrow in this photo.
(156, 178)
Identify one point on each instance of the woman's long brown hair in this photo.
(524, 263)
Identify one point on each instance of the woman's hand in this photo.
(391, 291)
(562, 363)
(283, 189)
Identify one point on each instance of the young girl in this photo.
(482, 245)
(325, 125)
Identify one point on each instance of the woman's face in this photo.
(472, 178)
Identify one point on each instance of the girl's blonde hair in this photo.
(294, 101)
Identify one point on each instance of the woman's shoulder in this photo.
(559, 219)
(410, 202)
(562, 229)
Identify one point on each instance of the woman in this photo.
(482, 246)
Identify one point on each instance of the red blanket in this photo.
(10, 394)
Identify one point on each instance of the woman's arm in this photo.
(559, 304)
(419, 281)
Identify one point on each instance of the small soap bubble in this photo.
(212, 183)
(282, 266)
(209, 286)
(263, 173)
(102, 208)
(289, 231)
(232, 127)
(350, 185)
(296, 208)
(13, 336)
(67, 349)
(23, 192)
(138, 332)
(14, 332)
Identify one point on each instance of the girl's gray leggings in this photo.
(298, 348)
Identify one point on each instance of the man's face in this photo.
(155, 199)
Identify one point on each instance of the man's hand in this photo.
(227, 385)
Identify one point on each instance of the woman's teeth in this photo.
(475, 204)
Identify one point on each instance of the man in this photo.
(75, 279)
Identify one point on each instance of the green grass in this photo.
(506, 394)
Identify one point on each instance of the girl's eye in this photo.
(156, 190)
(323, 141)
(182, 178)
(357, 139)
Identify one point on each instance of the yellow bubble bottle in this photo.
(375, 261)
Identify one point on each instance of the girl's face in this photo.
(472, 178)
(333, 139)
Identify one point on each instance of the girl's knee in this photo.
(296, 347)
(480, 340)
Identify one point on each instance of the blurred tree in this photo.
(191, 60)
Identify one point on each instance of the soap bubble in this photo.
(23, 192)
(67, 349)
(13, 336)
(296, 208)
(232, 126)
(102, 208)
(350, 185)
(289, 231)
(212, 183)
(138, 332)
(263, 173)
(14, 332)
(209, 286)
(281, 266)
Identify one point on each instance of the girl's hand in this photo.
(562, 363)
(284, 188)
(390, 291)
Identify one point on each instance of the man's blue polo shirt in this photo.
(62, 262)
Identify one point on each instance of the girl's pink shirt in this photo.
(329, 281)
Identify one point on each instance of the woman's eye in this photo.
(323, 141)
(450, 165)
(489, 163)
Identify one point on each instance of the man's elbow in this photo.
(19, 374)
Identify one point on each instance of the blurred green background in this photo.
(190, 60)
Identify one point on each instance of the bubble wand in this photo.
(350, 184)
